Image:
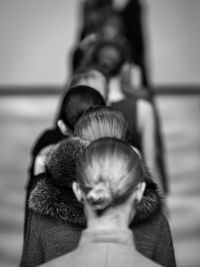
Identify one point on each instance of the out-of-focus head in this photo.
(76, 101)
(91, 76)
(112, 25)
(94, 13)
(110, 55)
(101, 121)
(108, 172)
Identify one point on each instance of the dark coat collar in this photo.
(46, 199)
(151, 203)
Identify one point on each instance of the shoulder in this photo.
(149, 231)
(41, 224)
(154, 240)
(153, 223)
(52, 237)
(53, 230)
(147, 234)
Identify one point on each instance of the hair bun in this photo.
(99, 197)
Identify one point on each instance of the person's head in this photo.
(110, 55)
(92, 76)
(110, 178)
(112, 26)
(101, 121)
(76, 101)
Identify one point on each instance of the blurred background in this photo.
(36, 42)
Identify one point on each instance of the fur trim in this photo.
(45, 199)
(150, 204)
(53, 196)
(61, 164)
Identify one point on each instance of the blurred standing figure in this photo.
(131, 12)
(93, 12)
(109, 196)
(100, 15)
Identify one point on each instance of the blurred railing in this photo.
(55, 90)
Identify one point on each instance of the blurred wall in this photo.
(36, 38)
(174, 41)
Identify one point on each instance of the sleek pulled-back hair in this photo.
(76, 101)
(101, 121)
(108, 171)
(121, 49)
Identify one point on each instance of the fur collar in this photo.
(46, 199)
(150, 204)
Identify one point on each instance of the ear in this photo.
(77, 191)
(63, 128)
(140, 191)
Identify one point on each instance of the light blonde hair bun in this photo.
(100, 197)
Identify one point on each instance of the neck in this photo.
(113, 218)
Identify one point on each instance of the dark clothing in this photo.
(132, 17)
(54, 228)
(48, 137)
(129, 110)
(160, 155)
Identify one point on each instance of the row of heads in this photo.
(103, 40)
(106, 167)
(99, 156)
(88, 87)
(109, 54)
